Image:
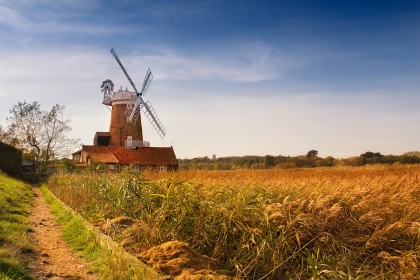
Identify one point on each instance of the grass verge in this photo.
(15, 201)
(106, 257)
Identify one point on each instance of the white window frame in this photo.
(135, 167)
(162, 168)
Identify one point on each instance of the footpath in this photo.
(53, 258)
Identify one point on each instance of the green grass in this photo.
(109, 260)
(15, 201)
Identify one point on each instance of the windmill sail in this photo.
(114, 53)
(133, 113)
(147, 80)
(133, 110)
(153, 118)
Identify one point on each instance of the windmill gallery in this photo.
(123, 145)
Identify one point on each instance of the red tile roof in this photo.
(103, 157)
(123, 156)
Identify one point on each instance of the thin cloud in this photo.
(18, 18)
(11, 18)
(178, 9)
(72, 78)
(251, 63)
(49, 75)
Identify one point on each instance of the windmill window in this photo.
(111, 167)
(135, 167)
(161, 168)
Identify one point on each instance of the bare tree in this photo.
(7, 138)
(40, 133)
(3, 135)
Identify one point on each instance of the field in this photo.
(324, 223)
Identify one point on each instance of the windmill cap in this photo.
(124, 95)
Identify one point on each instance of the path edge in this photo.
(111, 260)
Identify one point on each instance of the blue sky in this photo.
(230, 77)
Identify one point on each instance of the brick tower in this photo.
(121, 131)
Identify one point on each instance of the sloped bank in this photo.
(173, 258)
(15, 202)
(105, 255)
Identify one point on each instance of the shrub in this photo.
(10, 160)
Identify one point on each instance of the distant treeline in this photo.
(310, 160)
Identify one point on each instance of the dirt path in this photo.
(53, 258)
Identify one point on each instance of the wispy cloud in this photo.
(72, 76)
(12, 18)
(69, 77)
(75, 71)
(245, 63)
(182, 9)
(253, 61)
(48, 17)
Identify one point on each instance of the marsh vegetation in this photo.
(325, 223)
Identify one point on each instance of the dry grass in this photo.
(335, 223)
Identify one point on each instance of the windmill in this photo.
(132, 111)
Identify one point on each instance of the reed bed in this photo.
(326, 223)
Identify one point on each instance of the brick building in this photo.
(123, 145)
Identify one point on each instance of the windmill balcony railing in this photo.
(133, 144)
